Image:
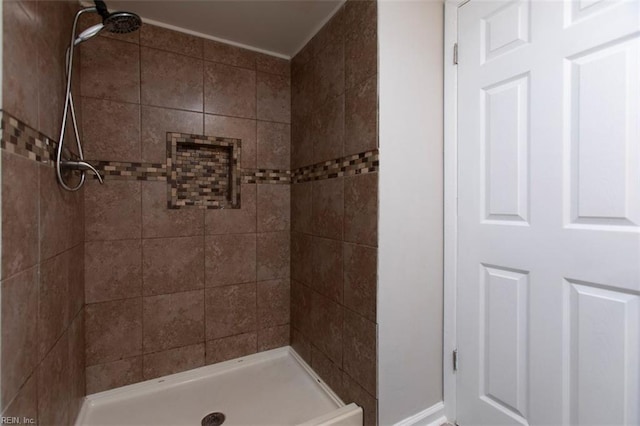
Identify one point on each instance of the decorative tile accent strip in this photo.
(365, 162)
(19, 138)
(199, 178)
(266, 176)
(203, 171)
(131, 171)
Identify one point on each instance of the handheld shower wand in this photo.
(116, 22)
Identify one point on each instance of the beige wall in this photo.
(410, 304)
(42, 226)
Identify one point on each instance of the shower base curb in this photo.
(343, 414)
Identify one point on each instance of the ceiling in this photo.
(274, 26)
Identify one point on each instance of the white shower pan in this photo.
(269, 388)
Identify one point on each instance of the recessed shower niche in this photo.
(203, 171)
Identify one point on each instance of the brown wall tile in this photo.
(328, 127)
(113, 270)
(110, 70)
(114, 330)
(43, 228)
(327, 268)
(334, 113)
(273, 65)
(302, 89)
(273, 255)
(329, 72)
(273, 303)
(302, 142)
(25, 404)
(301, 207)
(274, 207)
(122, 210)
(229, 90)
(54, 385)
(273, 337)
(359, 356)
(170, 80)
(360, 279)
(327, 370)
(231, 347)
(274, 145)
(361, 41)
(328, 208)
(230, 259)
(231, 221)
(173, 361)
(301, 257)
(172, 265)
(156, 122)
(173, 320)
(53, 301)
(111, 130)
(361, 209)
(76, 280)
(62, 227)
(114, 374)
(20, 41)
(300, 344)
(19, 331)
(76, 366)
(230, 310)
(51, 89)
(112, 210)
(301, 309)
(173, 41)
(326, 328)
(19, 213)
(361, 117)
(159, 221)
(274, 98)
(235, 128)
(228, 54)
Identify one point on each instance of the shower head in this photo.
(122, 22)
(115, 22)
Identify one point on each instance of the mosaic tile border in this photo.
(266, 176)
(122, 170)
(21, 139)
(179, 176)
(351, 165)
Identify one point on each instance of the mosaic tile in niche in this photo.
(203, 171)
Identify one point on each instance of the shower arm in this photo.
(80, 165)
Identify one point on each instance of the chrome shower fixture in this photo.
(115, 22)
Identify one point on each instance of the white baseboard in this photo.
(432, 416)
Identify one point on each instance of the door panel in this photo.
(549, 212)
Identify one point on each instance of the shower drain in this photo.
(213, 419)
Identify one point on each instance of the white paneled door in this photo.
(548, 311)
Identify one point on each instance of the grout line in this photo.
(204, 282)
(141, 104)
(201, 58)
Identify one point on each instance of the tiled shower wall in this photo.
(334, 215)
(42, 226)
(172, 289)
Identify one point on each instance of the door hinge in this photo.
(455, 54)
(455, 360)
